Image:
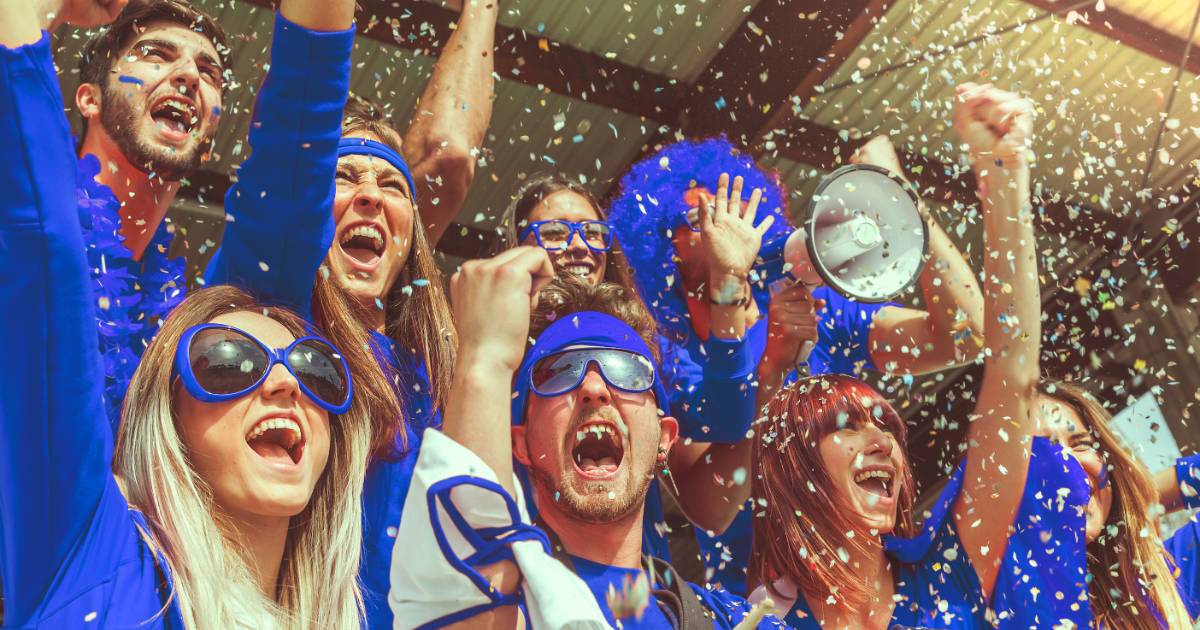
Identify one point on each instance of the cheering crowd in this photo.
(329, 434)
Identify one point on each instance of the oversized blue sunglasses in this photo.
(556, 234)
(218, 363)
(564, 371)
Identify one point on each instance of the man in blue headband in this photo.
(587, 425)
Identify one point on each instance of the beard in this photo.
(119, 120)
(590, 501)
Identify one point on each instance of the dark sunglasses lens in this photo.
(628, 371)
(558, 373)
(225, 361)
(320, 368)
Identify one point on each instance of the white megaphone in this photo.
(863, 235)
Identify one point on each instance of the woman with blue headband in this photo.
(233, 494)
(332, 174)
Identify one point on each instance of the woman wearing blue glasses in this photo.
(232, 497)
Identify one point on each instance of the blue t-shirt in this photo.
(387, 482)
(842, 348)
(727, 608)
(1184, 547)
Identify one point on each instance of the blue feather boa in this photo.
(132, 297)
(649, 205)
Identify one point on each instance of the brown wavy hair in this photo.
(805, 520)
(1132, 574)
(419, 321)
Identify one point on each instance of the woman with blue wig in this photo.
(655, 216)
(332, 172)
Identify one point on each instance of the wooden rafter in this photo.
(1127, 29)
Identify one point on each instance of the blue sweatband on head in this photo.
(363, 146)
(584, 328)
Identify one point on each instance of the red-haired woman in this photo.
(836, 544)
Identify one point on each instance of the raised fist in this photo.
(492, 300)
(81, 13)
(995, 124)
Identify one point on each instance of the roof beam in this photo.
(526, 58)
(1128, 30)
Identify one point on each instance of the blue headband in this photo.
(584, 328)
(362, 146)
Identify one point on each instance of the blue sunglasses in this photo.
(556, 234)
(218, 363)
(563, 372)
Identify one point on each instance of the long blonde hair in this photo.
(213, 586)
(1127, 561)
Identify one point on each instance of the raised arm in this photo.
(997, 126)
(713, 480)
(55, 441)
(446, 132)
(912, 341)
(281, 222)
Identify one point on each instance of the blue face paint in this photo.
(216, 111)
(1102, 480)
(124, 78)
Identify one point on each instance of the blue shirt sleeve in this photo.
(1184, 547)
(712, 385)
(55, 442)
(844, 334)
(280, 210)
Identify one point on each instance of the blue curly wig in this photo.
(649, 206)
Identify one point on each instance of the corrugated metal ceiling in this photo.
(1099, 102)
(676, 38)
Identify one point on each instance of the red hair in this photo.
(801, 533)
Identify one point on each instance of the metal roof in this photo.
(1098, 102)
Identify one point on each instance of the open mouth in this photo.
(363, 243)
(277, 440)
(598, 449)
(876, 481)
(175, 116)
(578, 268)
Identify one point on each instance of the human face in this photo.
(252, 473)
(1062, 423)
(690, 257)
(592, 452)
(373, 209)
(865, 464)
(577, 259)
(161, 103)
